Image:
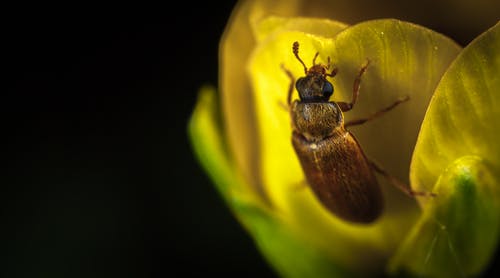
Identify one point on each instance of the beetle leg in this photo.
(376, 114)
(346, 106)
(397, 183)
(292, 82)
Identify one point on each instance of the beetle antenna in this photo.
(296, 53)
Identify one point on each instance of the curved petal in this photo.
(462, 118)
(458, 232)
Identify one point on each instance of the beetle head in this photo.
(314, 87)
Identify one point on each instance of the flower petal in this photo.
(462, 118)
(458, 232)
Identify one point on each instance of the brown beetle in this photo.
(334, 164)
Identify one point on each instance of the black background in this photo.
(100, 179)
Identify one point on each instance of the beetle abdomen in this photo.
(340, 176)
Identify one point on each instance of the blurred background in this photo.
(100, 180)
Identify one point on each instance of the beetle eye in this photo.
(327, 89)
(298, 84)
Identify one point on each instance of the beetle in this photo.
(334, 165)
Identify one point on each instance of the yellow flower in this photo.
(243, 138)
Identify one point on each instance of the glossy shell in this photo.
(340, 176)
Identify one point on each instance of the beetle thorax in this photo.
(316, 121)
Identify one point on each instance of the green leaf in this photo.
(457, 156)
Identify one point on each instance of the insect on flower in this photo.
(335, 166)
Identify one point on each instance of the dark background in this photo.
(100, 179)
